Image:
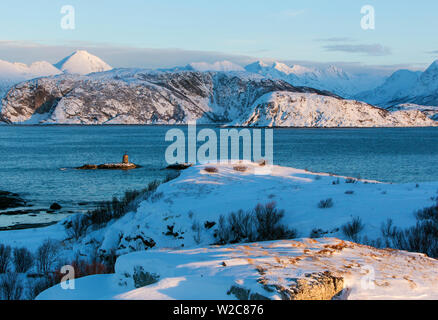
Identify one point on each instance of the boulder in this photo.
(55, 206)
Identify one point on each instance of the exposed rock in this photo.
(243, 294)
(55, 206)
(10, 200)
(27, 226)
(88, 167)
(30, 212)
(109, 166)
(318, 286)
(180, 166)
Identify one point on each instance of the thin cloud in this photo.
(114, 55)
(290, 13)
(368, 49)
(335, 39)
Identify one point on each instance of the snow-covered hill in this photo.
(132, 96)
(285, 109)
(430, 111)
(406, 86)
(82, 62)
(171, 231)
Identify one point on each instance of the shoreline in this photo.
(216, 125)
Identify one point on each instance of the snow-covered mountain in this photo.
(12, 73)
(132, 96)
(286, 109)
(82, 62)
(332, 78)
(406, 87)
(430, 111)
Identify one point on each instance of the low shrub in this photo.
(46, 256)
(23, 260)
(117, 208)
(326, 204)
(211, 169)
(353, 228)
(197, 229)
(240, 168)
(260, 224)
(36, 286)
(388, 229)
(317, 233)
(77, 226)
(421, 238)
(430, 213)
(82, 269)
(142, 278)
(5, 258)
(269, 226)
(11, 287)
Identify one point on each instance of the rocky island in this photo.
(124, 165)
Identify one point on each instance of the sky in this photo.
(166, 33)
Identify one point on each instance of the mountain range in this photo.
(405, 86)
(82, 88)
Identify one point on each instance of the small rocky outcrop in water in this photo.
(55, 206)
(124, 165)
(109, 166)
(10, 200)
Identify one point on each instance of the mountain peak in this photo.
(300, 70)
(433, 66)
(282, 67)
(256, 66)
(216, 66)
(82, 62)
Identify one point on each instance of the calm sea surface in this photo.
(37, 161)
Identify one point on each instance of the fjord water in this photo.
(38, 162)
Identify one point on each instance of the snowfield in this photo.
(171, 233)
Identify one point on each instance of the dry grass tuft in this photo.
(211, 169)
(240, 168)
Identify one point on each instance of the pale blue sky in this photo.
(318, 30)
